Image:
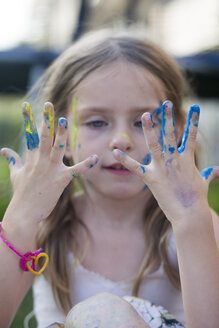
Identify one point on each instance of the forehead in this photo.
(120, 85)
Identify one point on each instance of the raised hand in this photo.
(172, 176)
(39, 183)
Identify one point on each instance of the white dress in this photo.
(85, 283)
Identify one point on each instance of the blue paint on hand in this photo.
(63, 122)
(143, 168)
(145, 187)
(147, 159)
(207, 172)
(193, 109)
(32, 139)
(171, 149)
(11, 160)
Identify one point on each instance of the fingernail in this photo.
(93, 160)
(63, 123)
(118, 153)
(147, 119)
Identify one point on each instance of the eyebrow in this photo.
(101, 110)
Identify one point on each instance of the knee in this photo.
(103, 310)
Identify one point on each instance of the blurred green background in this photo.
(10, 133)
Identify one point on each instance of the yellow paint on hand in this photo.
(30, 128)
(126, 136)
(50, 114)
(75, 127)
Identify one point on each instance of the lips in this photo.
(117, 168)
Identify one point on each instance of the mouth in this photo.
(118, 169)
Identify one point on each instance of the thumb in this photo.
(210, 173)
(14, 160)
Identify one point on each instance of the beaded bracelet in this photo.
(32, 257)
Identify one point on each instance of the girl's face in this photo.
(110, 102)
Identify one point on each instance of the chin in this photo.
(122, 192)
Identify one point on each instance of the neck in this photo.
(110, 213)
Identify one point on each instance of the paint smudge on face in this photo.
(207, 172)
(126, 136)
(49, 119)
(193, 117)
(31, 135)
(11, 159)
(147, 159)
(186, 198)
(143, 168)
(75, 127)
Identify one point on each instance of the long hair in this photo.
(59, 230)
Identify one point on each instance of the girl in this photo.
(116, 234)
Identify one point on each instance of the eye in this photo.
(138, 124)
(96, 124)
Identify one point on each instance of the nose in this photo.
(121, 141)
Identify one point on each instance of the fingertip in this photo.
(147, 120)
(195, 108)
(93, 160)
(48, 105)
(63, 123)
(167, 104)
(118, 153)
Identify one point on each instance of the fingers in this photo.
(168, 129)
(47, 132)
(82, 167)
(58, 148)
(190, 132)
(13, 158)
(31, 134)
(210, 173)
(130, 163)
(151, 137)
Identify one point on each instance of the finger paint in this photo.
(143, 168)
(75, 128)
(61, 146)
(171, 149)
(49, 119)
(147, 159)
(186, 198)
(167, 105)
(11, 159)
(193, 109)
(63, 122)
(207, 172)
(74, 175)
(145, 187)
(31, 135)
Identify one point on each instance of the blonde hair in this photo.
(59, 230)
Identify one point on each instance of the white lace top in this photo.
(85, 283)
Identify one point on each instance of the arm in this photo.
(37, 186)
(181, 193)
